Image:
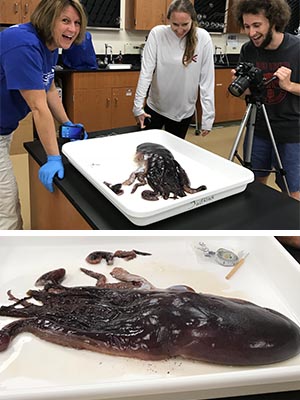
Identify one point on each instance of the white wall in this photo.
(118, 39)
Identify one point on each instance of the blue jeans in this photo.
(263, 157)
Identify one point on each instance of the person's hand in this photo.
(141, 120)
(284, 76)
(47, 172)
(72, 125)
(233, 76)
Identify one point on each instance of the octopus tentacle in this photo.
(53, 276)
(122, 275)
(190, 190)
(101, 279)
(96, 256)
(150, 195)
(116, 188)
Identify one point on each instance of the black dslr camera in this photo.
(247, 75)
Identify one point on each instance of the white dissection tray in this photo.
(111, 159)
(33, 369)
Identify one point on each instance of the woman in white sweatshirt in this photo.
(177, 59)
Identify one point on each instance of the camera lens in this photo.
(238, 86)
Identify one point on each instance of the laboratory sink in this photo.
(119, 66)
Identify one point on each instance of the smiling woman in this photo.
(177, 61)
(28, 55)
(67, 13)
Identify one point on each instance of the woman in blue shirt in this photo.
(29, 54)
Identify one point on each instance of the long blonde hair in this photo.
(191, 37)
(44, 16)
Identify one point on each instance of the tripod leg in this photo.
(250, 136)
(240, 132)
(197, 130)
(281, 170)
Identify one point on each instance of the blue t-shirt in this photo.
(25, 64)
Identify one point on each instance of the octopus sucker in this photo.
(158, 168)
(150, 323)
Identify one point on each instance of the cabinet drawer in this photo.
(99, 80)
(128, 78)
(91, 80)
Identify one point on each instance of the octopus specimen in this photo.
(158, 168)
(132, 318)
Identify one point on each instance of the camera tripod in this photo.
(254, 103)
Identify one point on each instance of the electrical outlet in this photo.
(130, 48)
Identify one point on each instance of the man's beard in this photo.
(268, 39)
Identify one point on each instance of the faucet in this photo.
(111, 61)
(216, 54)
(223, 58)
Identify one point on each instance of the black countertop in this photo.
(258, 207)
(292, 395)
(63, 70)
(60, 69)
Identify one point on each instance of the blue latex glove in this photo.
(47, 172)
(69, 123)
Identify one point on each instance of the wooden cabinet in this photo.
(16, 11)
(228, 107)
(145, 14)
(100, 100)
(51, 211)
(104, 100)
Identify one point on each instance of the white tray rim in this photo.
(227, 380)
(163, 208)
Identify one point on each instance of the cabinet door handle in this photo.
(116, 101)
(219, 84)
(26, 8)
(107, 102)
(16, 8)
